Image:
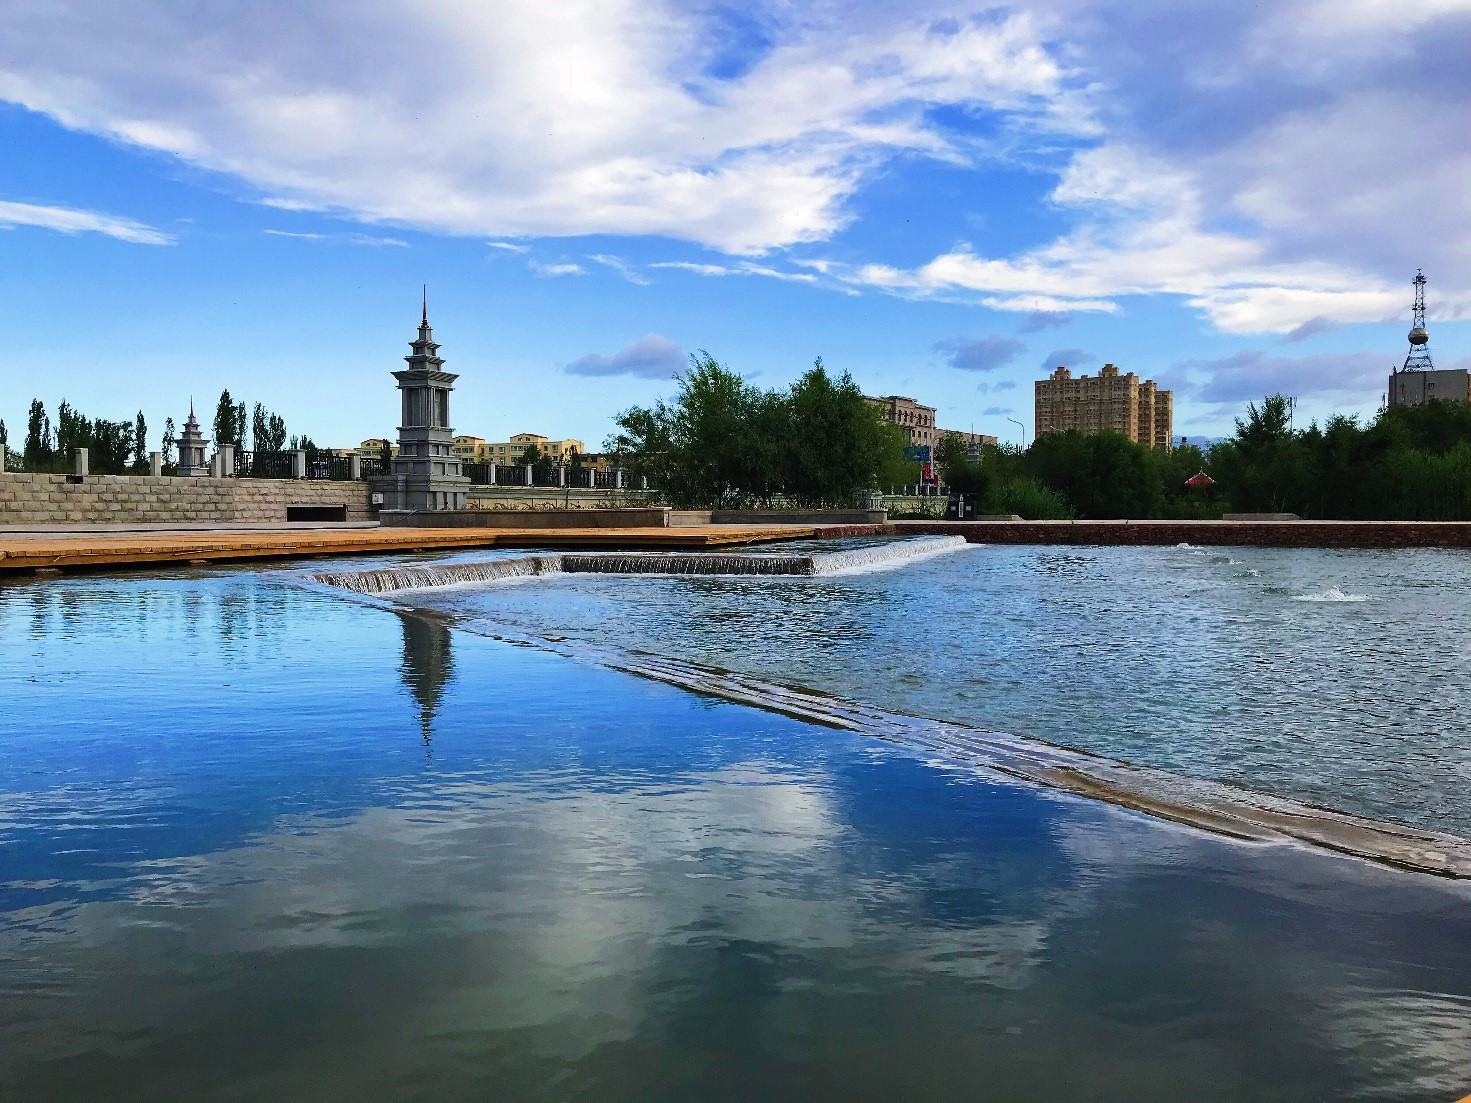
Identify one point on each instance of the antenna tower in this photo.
(1418, 358)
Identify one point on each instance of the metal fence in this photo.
(259, 464)
(264, 465)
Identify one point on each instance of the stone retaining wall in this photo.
(635, 517)
(33, 499)
(550, 497)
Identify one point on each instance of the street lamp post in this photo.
(1022, 427)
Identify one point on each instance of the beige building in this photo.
(372, 448)
(916, 420)
(973, 442)
(1107, 401)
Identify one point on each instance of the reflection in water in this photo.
(427, 666)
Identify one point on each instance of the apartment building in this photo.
(1107, 401)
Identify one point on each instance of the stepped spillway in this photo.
(868, 557)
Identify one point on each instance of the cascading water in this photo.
(873, 556)
(390, 579)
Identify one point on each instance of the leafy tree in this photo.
(39, 450)
(303, 442)
(835, 441)
(229, 421)
(532, 457)
(140, 442)
(168, 441)
(267, 430)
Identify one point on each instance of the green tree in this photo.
(224, 421)
(140, 442)
(836, 446)
(39, 449)
(166, 445)
(267, 430)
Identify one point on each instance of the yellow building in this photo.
(469, 449)
(1109, 401)
(511, 451)
(372, 448)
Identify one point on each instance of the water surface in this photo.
(261, 843)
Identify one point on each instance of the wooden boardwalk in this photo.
(53, 551)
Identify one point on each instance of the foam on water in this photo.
(388, 580)
(1332, 593)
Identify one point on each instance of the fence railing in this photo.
(261, 464)
(264, 465)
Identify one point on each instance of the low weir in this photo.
(868, 557)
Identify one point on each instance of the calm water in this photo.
(1342, 678)
(258, 843)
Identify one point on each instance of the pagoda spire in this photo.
(425, 320)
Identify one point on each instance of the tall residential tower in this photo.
(1107, 402)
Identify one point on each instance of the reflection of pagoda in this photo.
(191, 445)
(427, 666)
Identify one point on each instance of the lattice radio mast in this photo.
(1418, 358)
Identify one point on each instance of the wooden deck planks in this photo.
(94, 550)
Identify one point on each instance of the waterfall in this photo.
(389, 579)
(872, 556)
(890, 553)
(886, 555)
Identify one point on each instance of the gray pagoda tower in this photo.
(426, 473)
(191, 448)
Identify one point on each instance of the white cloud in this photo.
(586, 116)
(651, 356)
(74, 220)
(509, 246)
(619, 265)
(1143, 232)
(350, 239)
(742, 268)
(565, 268)
(1264, 164)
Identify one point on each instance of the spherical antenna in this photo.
(1419, 336)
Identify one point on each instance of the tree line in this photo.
(1408, 463)
(121, 447)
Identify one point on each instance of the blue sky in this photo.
(943, 202)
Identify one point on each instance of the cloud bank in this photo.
(1269, 166)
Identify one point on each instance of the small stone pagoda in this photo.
(191, 447)
(426, 474)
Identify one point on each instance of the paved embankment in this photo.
(1269, 534)
(19, 552)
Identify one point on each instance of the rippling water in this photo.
(258, 843)
(1341, 678)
